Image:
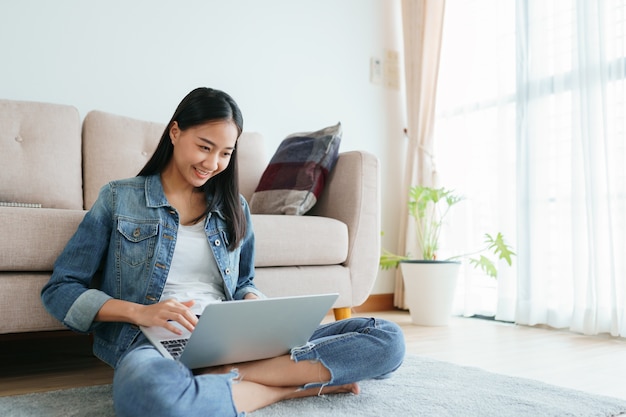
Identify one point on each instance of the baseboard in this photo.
(376, 302)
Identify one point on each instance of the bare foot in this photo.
(353, 388)
(250, 396)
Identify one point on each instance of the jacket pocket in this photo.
(137, 240)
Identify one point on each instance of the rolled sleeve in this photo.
(243, 291)
(83, 311)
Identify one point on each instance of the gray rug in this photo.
(421, 387)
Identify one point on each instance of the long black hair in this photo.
(200, 106)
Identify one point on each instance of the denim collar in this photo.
(155, 196)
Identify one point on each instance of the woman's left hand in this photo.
(250, 296)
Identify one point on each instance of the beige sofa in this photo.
(50, 158)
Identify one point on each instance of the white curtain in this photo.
(475, 144)
(421, 25)
(572, 182)
(548, 124)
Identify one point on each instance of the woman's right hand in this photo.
(164, 312)
(159, 314)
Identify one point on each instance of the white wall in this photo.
(291, 65)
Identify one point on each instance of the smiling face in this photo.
(200, 152)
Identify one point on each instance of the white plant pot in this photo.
(429, 290)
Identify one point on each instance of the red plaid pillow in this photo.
(296, 174)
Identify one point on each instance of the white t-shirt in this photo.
(193, 273)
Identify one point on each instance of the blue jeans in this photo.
(146, 383)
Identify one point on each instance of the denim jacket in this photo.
(128, 238)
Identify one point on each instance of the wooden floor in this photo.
(32, 363)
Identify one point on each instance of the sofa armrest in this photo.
(352, 195)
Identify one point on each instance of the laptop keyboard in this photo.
(174, 347)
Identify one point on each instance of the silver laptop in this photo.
(244, 330)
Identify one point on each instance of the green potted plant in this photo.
(430, 282)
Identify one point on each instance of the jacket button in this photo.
(217, 242)
(227, 271)
(137, 232)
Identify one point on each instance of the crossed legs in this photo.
(339, 354)
(264, 382)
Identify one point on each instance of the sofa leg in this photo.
(342, 313)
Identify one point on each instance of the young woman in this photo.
(171, 240)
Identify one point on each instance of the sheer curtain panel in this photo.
(572, 181)
(531, 128)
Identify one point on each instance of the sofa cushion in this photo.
(20, 304)
(296, 174)
(251, 161)
(305, 280)
(115, 147)
(38, 235)
(41, 154)
(299, 240)
(279, 242)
